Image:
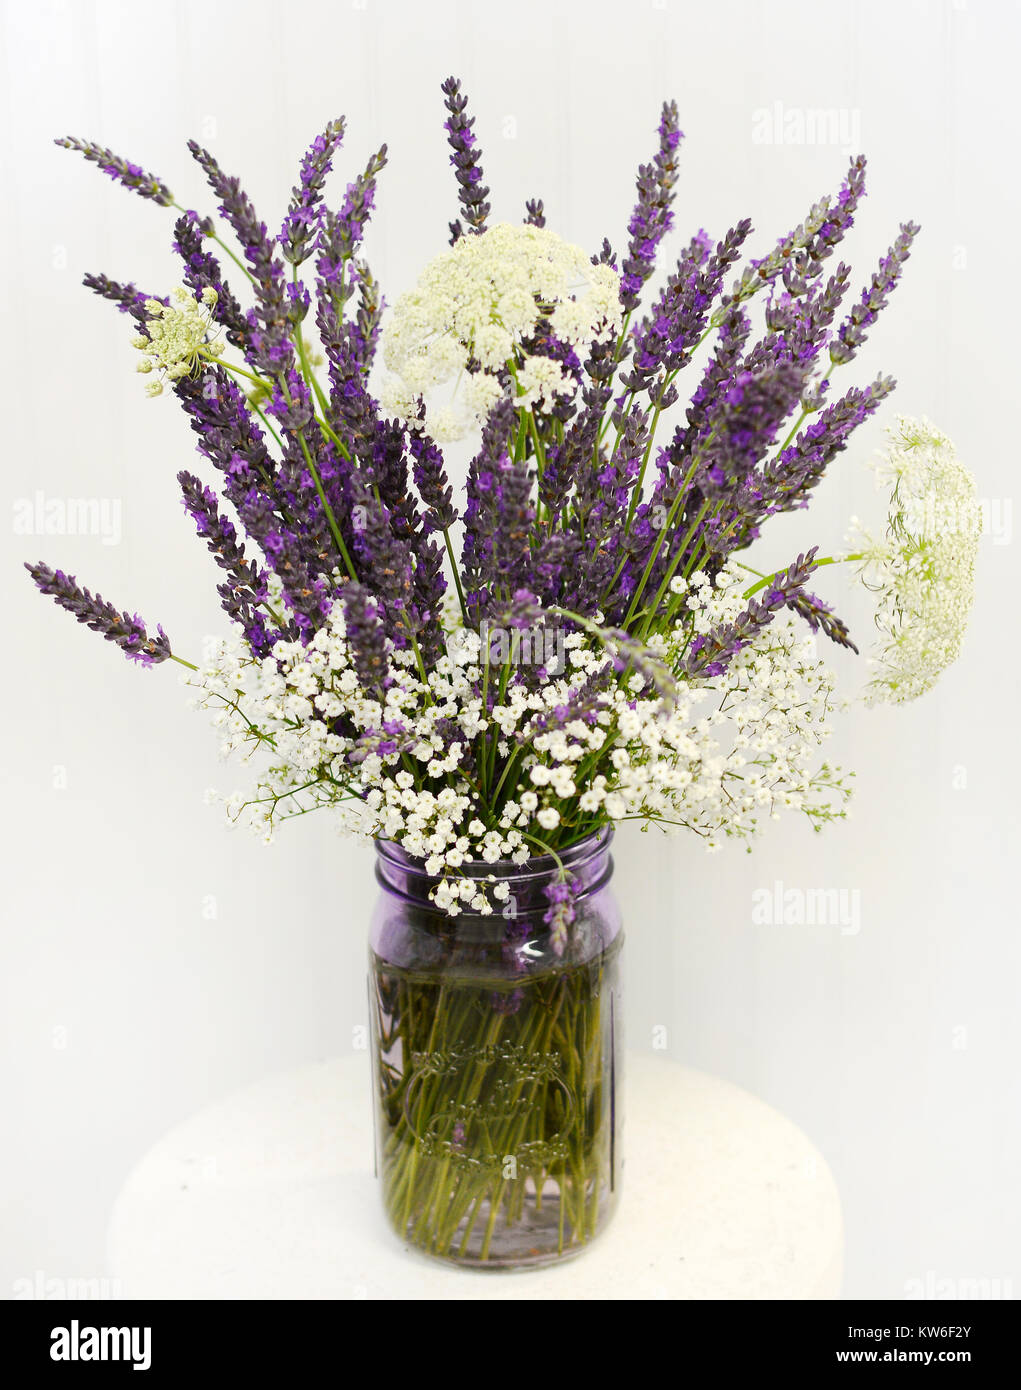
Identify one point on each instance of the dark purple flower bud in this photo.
(125, 629)
(129, 175)
(535, 215)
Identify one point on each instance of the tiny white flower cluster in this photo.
(923, 569)
(179, 336)
(712, 760)
(475, 304)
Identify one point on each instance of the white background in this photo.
(151, 960)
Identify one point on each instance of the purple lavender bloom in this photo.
(365, 637)
(535, 215)
(269, 323)
(798, 256)
(508, 515)
(472, 192)
(480, 519)
(228, 434)
(745, 423)
(666, 339)
(127, 630)
(278, 505)
(297, 235)
(129, 175)
(202, 271)
(128, 298)
(306, 593)
(711, 653)
(291, 402)
(553, 559)
(384, 563)
(820, 615)
(651, 218)
(785, 482)
(245, 592)
(365, 330)
(431, 480)
(798, 324)
(601, 501)
(854, 330)
(721, 368)
(560, 914)
(342, 232)
(340, 272)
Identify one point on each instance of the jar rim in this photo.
(537, 866)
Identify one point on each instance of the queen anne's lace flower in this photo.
(479, 303)
(177, 336)
(923, 570)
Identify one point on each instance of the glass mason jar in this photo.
(497, 1062)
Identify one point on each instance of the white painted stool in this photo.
(270, 1194)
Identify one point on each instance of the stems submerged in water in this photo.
(496, 1108)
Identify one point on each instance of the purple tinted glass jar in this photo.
(497, 1060)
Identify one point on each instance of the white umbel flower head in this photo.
(923, 570)
(477, 303)
(178, 336)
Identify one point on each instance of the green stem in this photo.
(455, 571)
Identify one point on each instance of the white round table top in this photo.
(270, 1194)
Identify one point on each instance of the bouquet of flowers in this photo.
(579, 639)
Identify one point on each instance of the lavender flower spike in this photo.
(202, 271)
(431, 480)
(652, 218)
(246, 589)
(465, 159)
(296, 235)
(127, 630)
(128, 298)
(365, 636)
(854, 330)
(132, 176)
(711, 654)
(270, 323)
